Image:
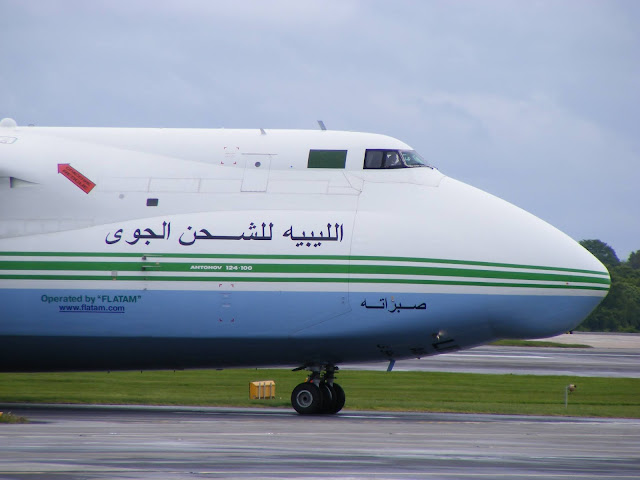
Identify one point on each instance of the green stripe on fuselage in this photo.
(299, 268)
(297, 280)
(346, 258)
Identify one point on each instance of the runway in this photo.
(177, 443)
(612, 355)
(583, 362)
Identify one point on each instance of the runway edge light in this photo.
(567, 390)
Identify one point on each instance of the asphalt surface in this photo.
(600, 340)
(177, 443)
(606, 355)
(583, 362)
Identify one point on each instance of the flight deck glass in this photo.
(378, 159)
(412, 158)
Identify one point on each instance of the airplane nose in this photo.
(550, 283)
(572, 290)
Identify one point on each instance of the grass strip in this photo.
(366, 390)
(537, 343)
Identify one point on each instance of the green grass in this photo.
(395, 391)
(537, 343)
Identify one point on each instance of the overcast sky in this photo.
(537, 102)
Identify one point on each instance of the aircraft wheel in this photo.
(306, 399)
(339, 398)
(328, 397)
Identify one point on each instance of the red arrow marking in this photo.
(79, 180)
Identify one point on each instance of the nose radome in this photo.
(561, 282)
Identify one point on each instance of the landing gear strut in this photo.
(319, 394)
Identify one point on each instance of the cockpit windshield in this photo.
(382, 159)
(412, 158)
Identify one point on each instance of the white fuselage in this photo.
(177, 248)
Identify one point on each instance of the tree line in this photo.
(620, 310)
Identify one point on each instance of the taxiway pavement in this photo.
(610, 355)
(583, 362)
(178, 443)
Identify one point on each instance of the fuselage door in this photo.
(256, 172)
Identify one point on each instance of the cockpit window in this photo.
(377, 159)
(373, 159)
(392, 160)
(412, 159)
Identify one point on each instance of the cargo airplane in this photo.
(132, 248)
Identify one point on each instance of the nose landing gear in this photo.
(319, 393)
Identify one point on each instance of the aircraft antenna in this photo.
(321, 123)
(262, 132)
(391, 364)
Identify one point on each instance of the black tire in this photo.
(339, 398)
(328, 397)
(306, 399)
